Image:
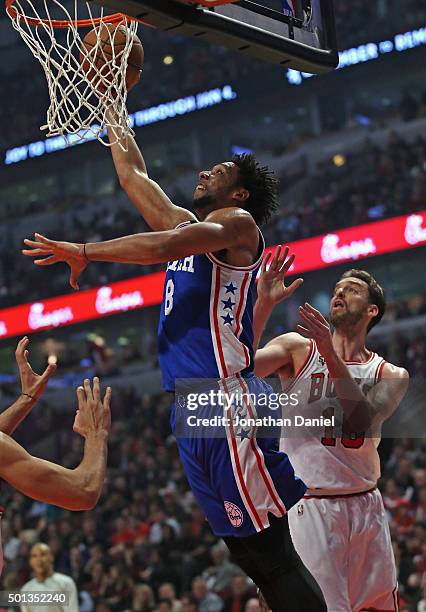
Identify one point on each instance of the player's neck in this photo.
(203, 211)
(350, 347)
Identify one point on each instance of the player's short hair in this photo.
(375, 292)
(261, 185)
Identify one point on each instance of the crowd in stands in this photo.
(371, 183)
(359, 21)
(407, 351)
(147, 546)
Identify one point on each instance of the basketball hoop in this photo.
(53, 34)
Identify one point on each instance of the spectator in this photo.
(240, 594)
(207, 601)
(189, 603)
(167, 592)
(46, 579)
(218, 576)
(143, 598)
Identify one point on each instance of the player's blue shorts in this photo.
(236, 477)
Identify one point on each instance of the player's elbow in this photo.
(85, 500)
(85, 492)
(90, 502)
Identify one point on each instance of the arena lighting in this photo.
(347, 245)
(146, 116)
(339, 160)
(238, 150)
(368, 52)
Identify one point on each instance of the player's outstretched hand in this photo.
(32, 384)
(93, 413)
(317, 327)
(271, 286)
(53, 252)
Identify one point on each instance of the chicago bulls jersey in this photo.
(206, 321)
(338, 461)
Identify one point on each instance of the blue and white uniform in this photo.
(206, 332)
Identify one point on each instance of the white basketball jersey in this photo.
(330, 461)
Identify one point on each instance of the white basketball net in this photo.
(76, 111)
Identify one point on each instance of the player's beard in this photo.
(346, 319)
(203, 202)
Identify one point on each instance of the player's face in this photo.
(216, 186)
(350, 303)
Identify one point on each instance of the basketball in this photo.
(101, 56)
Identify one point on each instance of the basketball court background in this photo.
(349, 147)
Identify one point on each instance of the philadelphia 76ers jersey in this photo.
(332, 461)
(206, 321)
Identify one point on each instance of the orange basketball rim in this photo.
(115, 18)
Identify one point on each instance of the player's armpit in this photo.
(151, 202)
(385, 396)
(42, 480)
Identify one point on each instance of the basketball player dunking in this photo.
(339, 528)
(245, 486)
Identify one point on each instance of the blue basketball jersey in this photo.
(206, 321)
(206, 331)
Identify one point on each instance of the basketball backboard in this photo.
(296, 34)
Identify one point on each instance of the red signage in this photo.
(82, 306)
(346, 245)
(358, 242)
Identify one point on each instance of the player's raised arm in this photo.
(144, 193)
(77, 489)
(362, 410)
(274, 355)
(271, 290)
(32, 388)
(231, 229)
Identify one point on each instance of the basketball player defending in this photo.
(77, 489)
(245, 486)
(339, 528)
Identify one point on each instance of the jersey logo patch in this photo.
(300, 509)
(235, 515)
(321, 360)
